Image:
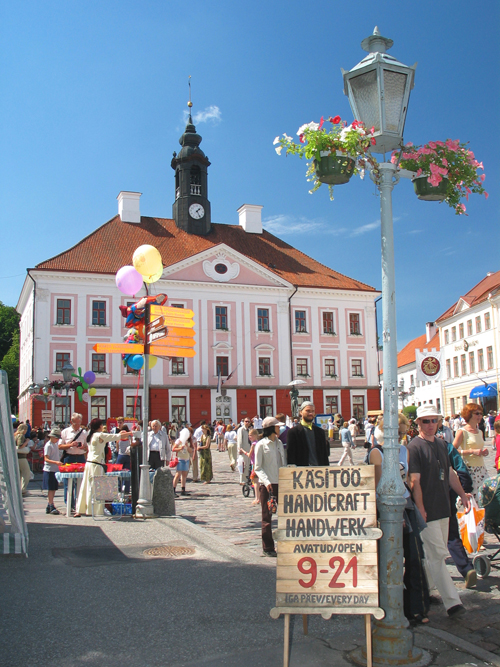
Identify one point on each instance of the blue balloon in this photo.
(136, 362)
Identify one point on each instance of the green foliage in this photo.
(10, 364)
(410, 411)
(9, 324)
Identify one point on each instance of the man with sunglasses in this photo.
(431, 477)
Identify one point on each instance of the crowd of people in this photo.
(441, 460)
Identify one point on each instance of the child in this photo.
(50, 467)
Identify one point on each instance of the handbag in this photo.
(173, 462)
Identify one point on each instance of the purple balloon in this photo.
(89, 377)
(128, 280)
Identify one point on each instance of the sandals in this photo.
(419, 619)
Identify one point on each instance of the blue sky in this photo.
(93, 100)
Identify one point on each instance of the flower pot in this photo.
(427, 192)
(334, 169)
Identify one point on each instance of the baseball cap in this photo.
(271, 421)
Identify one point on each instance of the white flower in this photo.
(287, 137)
(279, 149)
(362, 174)
(307, 126)
(344, 132)
(276, 141)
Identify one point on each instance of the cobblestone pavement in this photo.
(221, 509)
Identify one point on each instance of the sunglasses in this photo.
(478, 413)
(430, 421)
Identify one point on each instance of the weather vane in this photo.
(190, 104)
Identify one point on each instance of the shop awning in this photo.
(484, 390)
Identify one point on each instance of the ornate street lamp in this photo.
(379, 89)
(67, 371)
(45, 396)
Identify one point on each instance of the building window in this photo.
(221, 317)
(480, 360)
(300, 321)
(448, 369)
(356, 368)
(265, 406)
(358, 407)
(99, 313)
(263, 319)
(178, 366)
(478, 324)
(332, 404)
(264, 366)
(330, 368)
(354, 324)
(98, 408)
(455, 366)
(60, 411)
(438, 405)
(464, 401)
(446, 336)
(179, 409)
(411, 380)
(461, 330)
(61, 359)
(63, 311)
(222, 366)
(472, 362)
(487, 321)
(177, 305)
(489, 356)
(302, 367)
(469, 327)
(328, 323)
(453, 334)
(130, 401)
(99, 363)
(463, 364)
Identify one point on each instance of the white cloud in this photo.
(415, 231)
(286, 224)
(363, 229)
(211, 113)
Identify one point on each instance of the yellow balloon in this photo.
(147, 260)
(152, 361)
(92, 391)
(154, 277)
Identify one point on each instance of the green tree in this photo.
(9, 324)
(410, 411)
(10, 364)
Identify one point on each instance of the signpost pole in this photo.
(144, 507)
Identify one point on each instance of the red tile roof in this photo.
(111, 246)
(476, 295)
(407, 354)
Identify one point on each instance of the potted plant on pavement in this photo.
(334, 155)
(444, 171)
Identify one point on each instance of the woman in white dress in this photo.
(95, 465)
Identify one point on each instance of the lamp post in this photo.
(379, 90)
(45, 396)
(67, 371)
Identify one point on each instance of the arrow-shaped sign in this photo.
(177, 313)
(160, 351)
(157, 334)
(175, 341)
(123, 348)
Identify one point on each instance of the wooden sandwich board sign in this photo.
(327, 545)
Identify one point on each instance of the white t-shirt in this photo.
(230, 436)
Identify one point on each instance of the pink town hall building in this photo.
(265, 313)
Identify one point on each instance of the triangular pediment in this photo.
(461, 306)
(223, 266)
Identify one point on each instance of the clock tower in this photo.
(191, 209)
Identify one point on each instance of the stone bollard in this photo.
(163, 493)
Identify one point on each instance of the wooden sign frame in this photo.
(327, 546)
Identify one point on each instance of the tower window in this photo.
(195, 180)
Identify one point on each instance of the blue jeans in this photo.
(72, 458)
(124, 459)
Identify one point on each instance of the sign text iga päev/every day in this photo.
(327, 542)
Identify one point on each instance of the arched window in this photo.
(195, 180)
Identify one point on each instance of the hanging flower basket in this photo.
(427, 192)
(334, 169)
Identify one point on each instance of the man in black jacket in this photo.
(306, 443)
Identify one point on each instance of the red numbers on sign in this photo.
(337, 564)
(313, 571)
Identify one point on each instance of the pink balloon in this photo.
(86, 398)
(128, 280)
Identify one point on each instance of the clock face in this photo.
(196, 211)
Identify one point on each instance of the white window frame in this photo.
(72, 314)
(107, 299)
(335, 363)
(359, 313)
(174, 393)
(300, 309)
(335, 324)
(269, 317)
(351, 374)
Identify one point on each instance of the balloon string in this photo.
(137, 392)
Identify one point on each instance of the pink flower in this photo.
(335, 120)
(432, 144)
(486, 195)
(372, 130)
(460, 208)
(373, 141)
(483, 177)
(408, 145)
(419, 172)
(468, 190)
(479, 165)
(321, 123)
(435, 179)
(445, 162)
(453, 145)
(394, 158)
(301, 139)
(470, 154)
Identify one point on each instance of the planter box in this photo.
(427, 192)
(334, 169)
